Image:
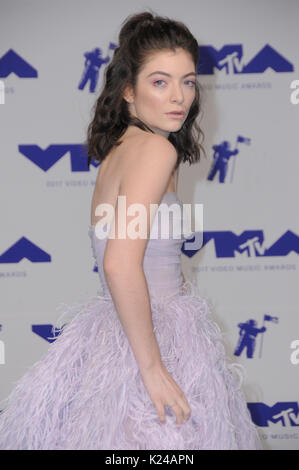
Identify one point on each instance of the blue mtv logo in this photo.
(285, 413)
(48, 332)
(11, 62)
(249, 243)
(230, 58)
(24, 248)
(46, 158)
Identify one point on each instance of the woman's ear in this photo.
(128, 94)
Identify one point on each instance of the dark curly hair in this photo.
(142, 34)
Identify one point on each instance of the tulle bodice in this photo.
(162, 258)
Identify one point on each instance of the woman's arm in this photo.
(130, 294)
(144, 180)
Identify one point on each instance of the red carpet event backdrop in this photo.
(52, 61)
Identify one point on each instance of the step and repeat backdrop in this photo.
(52, 60)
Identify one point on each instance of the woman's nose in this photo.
(177, 93)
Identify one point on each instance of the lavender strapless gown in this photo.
(86, 392)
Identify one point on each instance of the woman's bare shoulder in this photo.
(145, 143)
(149, 163)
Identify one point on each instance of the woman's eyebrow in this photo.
(168, 74)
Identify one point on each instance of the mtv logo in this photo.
(11, 62)
(46, 158)
(230, 59)
(284, 413)
(24, 248)
(250, 242)
(47, 332)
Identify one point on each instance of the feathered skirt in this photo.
(86, 392)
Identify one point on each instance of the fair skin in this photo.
(142, 169)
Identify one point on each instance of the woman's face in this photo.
(166, 83)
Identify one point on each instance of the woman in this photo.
(148, 343)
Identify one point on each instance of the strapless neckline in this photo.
(92, 227)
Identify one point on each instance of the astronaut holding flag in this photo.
(221, 157)
(92, 65)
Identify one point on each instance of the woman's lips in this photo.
(176, 115)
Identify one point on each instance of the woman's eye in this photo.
(187, 81)
(158, 81)
(190, 81)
